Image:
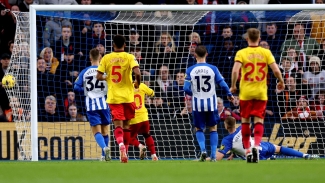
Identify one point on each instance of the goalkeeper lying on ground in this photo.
(233, 142)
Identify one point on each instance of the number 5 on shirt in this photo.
(116, 73)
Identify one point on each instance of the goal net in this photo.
(163, 43)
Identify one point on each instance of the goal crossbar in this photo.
(33, 34)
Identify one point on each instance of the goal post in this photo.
(272, 134)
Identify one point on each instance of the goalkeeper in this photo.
(233, 142)
(140, 123)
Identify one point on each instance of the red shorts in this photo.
(250, 108)
(125, 111)
(140, 128)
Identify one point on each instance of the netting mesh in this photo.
(164, 43)
(19, 95)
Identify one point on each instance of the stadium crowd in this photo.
(164, 52)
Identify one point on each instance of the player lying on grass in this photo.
(140, 123)
(233, 142)
(97, 109)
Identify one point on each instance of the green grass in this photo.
(178, 171)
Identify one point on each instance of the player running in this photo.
(200, 83)
(253, 62)
(140, 124)
(118, 67)
(97, 109)
(233, 142)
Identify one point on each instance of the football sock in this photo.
(151, 144)
(213, 143)
(118, 133)
(100, 140)
(291, 152)
(246, 133)
(201, 140)
(106, 139)
(134, 141)
(127, 138)
(258, 133)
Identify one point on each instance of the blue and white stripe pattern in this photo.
(93, 104)
(203, 78)
(95, 91)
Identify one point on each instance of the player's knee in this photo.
(146, 135)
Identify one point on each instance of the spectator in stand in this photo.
(163, 81)
(165, 44)
(50, 112)
(70, 100)
(186, 112)
(175, 93)
(138, 14)
(52, 63)
(15, 113)
(234, 105)
(83, 28)
(243, 20)
(4, 64)
(74, 115)
(98, 36)
(315, 77)
(194, 37)
(264, 44)
(226, 57)
(45, 81)
(10, 46)
(189, 60)
(100, 47)
(85, 2)
(321, 54)
(163, 15)
(294, 57)
(134, 40)
(227, 34)
(303, 108)
(288, 69)
(7, 29)
(287, 99)
(319, 104)
(307, 46)
(274, 39)
(24, 6)
(6, 4)
(54, 2)
(224, 112)
(53, 29)
(319, 2)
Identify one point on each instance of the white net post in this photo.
(19, 96)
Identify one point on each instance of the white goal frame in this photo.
(33, 35)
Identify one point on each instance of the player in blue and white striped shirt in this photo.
(200, 83)
(98, 112)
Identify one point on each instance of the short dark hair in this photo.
(119, 41)
(94, 54)
(227, 27)
(201, 51)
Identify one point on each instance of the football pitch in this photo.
(164, 171)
